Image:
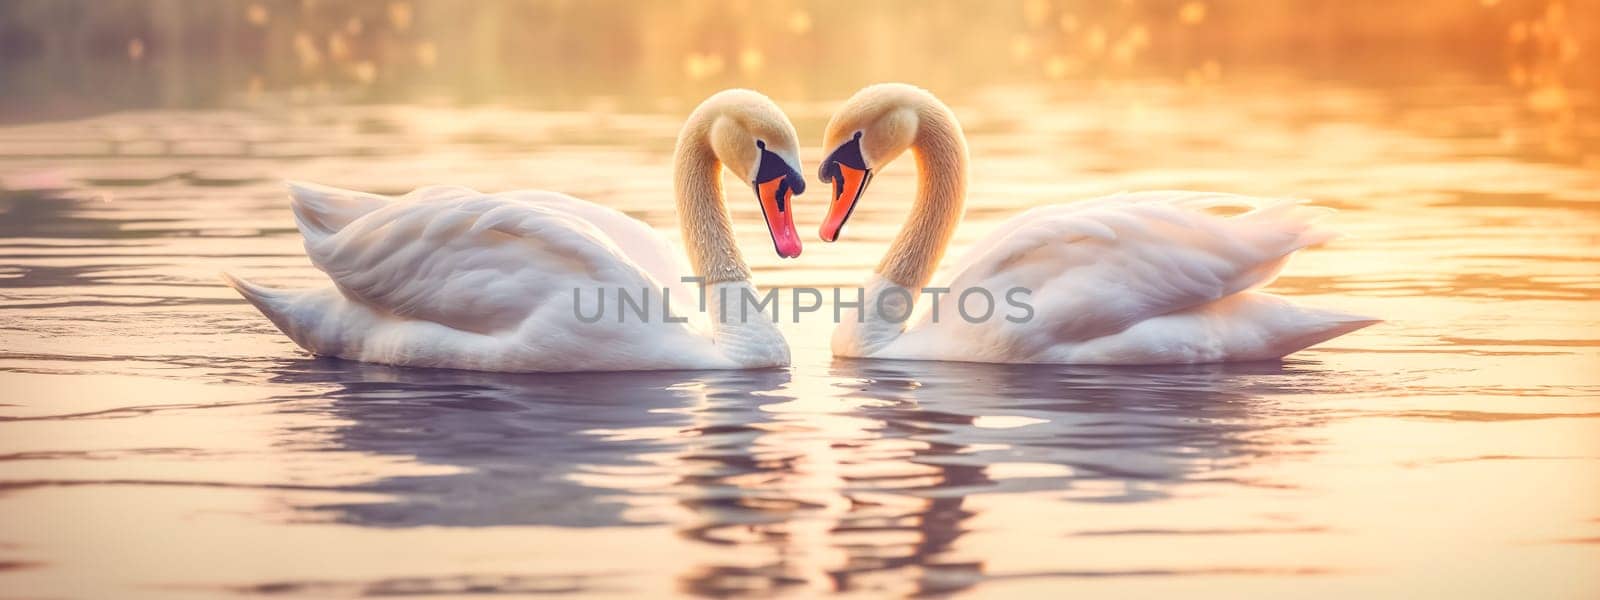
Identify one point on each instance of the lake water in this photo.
(159, 438)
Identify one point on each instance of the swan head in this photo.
(874, 127)
(753, 138)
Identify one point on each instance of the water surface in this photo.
(159, 438)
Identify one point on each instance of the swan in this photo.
(1143, 278)
(449, 277)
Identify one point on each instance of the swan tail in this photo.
(1314, 326)
(321, 211)
(280, 307)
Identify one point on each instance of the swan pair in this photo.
(453, 278)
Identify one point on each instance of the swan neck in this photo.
(714, 253)
(940, 151)
(702, 215)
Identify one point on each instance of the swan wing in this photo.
(321, 211)
(641, 243)
(474, 262)
(1095, 268)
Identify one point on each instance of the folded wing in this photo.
(1095, 268)
(470, 261)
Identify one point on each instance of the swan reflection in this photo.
(862, 480)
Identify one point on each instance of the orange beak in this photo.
(848, 185)
(775, 196)
(848, 172)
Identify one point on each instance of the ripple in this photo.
(456, 585)
(176, 408)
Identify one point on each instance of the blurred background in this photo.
(70, 58)
(159, 438)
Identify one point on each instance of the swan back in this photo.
(473, 262)
(1096, 268)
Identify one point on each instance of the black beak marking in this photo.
(772, 167)
(847, 154)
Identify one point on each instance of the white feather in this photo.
(449, 277)
(1147, 278)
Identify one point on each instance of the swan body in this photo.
(1145, 278)
(528, 281)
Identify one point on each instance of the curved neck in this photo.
(746, 340)
(941, 154)
(702, 217)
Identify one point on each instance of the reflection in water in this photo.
(518, 445)
(864, 491)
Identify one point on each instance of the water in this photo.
(159, 438)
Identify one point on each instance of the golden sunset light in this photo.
(798, 298)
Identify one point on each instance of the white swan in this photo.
(452, 278)
(1147, 278)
